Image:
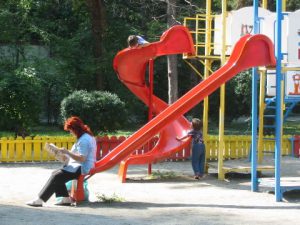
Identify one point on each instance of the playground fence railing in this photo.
(31, 149)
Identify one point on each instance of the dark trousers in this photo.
(198, 159)
(57, 184)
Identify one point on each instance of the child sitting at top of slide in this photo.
(135, 41)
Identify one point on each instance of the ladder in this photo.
(270, 110)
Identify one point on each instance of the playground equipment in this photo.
(220, 32)
(279, 188)
(283, 29)
(130, 65)
(167, 114)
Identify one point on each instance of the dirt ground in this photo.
(177, 200)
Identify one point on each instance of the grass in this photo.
(230, 129)
(109, 199)
(235, 128)
(291, 127)
(158, 175)
(58, 131)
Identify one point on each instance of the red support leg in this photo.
(123, 171)
(77, 191)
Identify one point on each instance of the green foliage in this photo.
(293, 5)
(102, 111)
(240, 95)
(55, 88)
(19, 100)
(64, 29)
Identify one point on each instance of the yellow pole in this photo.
(196, 33)
(207, 67)
(207, 64)
(283, 5)
(282, 82)
(221, 174)
(262, 106)
(265, 4)
(282, 102)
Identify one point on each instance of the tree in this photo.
(19, 100)
(172, 59)
(98, 21)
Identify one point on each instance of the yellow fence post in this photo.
(4, 155)
(233, 147)
(37, 149)
(28, 149)
(11, 149)
(19, 156)
(44, 154)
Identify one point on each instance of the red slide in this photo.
(130, 65)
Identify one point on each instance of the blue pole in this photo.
(278, 130)
(254, 185)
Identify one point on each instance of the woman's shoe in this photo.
(35, 203)
(64, 201)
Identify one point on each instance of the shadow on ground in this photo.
(147, 205)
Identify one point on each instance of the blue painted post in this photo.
(254, 184)
(278, 123)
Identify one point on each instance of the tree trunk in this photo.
(98, 20)
(172, 59)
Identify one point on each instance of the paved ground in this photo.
(180, 200)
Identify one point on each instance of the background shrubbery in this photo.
(101, 110)
(20, 101)
(49, 49)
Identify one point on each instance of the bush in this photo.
(102, 111)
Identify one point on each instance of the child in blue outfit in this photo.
(198, 148)
(135, 41)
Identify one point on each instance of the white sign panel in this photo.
(294, 38)
(292, 84)
(267, 27)
(271, 83)
(218, 35)
(239, 23)
(242, 22)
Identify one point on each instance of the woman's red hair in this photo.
(76, 125)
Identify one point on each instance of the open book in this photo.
(56, 152)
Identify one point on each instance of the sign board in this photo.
(271, 83)
(239, 23)
(293, 40)
(292, 84)
(218, 35)
(267, 27)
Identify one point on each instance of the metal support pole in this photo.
(278, 129)
(254, 183)
(150, 113)
(221, 175)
